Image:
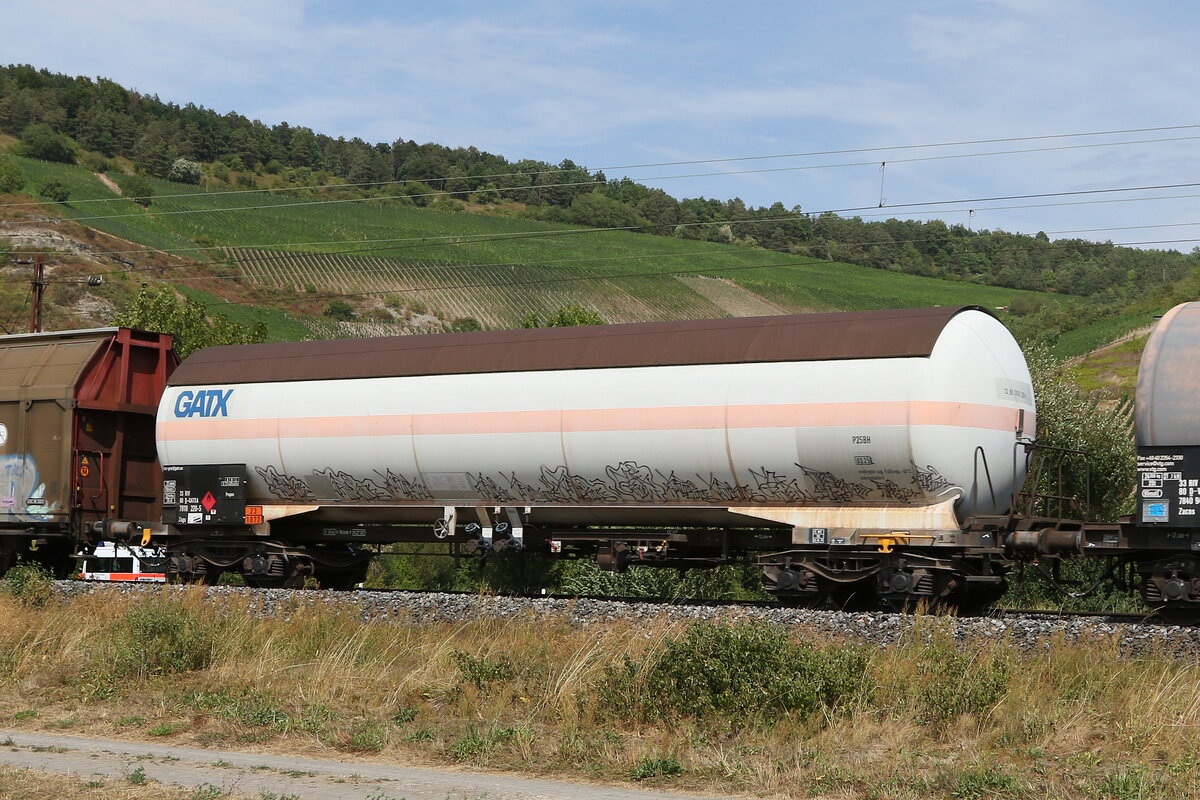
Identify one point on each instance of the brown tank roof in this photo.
(893, 333)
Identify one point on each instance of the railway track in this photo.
(1147, 617)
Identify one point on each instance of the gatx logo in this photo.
(204, 403)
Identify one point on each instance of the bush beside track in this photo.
(774, 702)
(880, 629)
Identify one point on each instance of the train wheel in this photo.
(1182, 615)
(793, 587)
(854, 597)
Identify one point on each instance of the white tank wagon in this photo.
(828, 429)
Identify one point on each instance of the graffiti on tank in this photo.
(19, 485)
(771, 486)
(285, 487)
(564, 487)
(402, 488)
(632, 481)
(488, 489)
(828, 488)
(930, 480)
(676, 488)
(349, 487)
(518, 488)
(718, 489)
(623, 482)
(893, 491)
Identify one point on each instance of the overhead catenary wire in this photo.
(568, 184)
(719, 160)
(456, 239)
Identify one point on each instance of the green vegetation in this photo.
(29, 584)
(495, 269)
(564, 317)
(721, 707)
(162, 310)
(53, 112)
(54, 190)
(526, 254)
(11, 178)
(42, 142)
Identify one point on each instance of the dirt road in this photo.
(302, 778)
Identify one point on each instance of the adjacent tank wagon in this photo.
(77, 413)
(835, 440)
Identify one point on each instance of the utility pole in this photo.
(38, 289)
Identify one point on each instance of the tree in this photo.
(185, 171)
(193, 328)
(565, 317)
(12, 180)
(600, 211)
(54, 190)
(1098, 426)
(40, 141)
(137, 188)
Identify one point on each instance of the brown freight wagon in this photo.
(77, 412)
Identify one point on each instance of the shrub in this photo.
(185, 171)
(42, 142)
(98, 163)
(12, 180)
(743, 671)
(480, 671)
(54, 190)
(30, 584)
(137, 188)
(663, 766)
(954, 683)
(986, 782)
(338, 309)
(159, 637)
(477, 743)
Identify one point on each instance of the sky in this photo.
(615, 84)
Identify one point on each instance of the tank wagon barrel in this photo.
(819, 437)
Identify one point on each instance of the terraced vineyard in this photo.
(494, 269)
(497, 295)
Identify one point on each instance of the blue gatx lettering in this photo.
(204, 403)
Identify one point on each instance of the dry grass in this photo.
(31, 784)
(927, 719)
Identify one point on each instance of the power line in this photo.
(722, 160)
(402, 243)
(569, 184)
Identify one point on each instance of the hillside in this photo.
(400, 267)
(355, 237)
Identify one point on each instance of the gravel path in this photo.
(302, 778)
(877, 628)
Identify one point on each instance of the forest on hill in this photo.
(55, 117)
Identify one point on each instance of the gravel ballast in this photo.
(881, 629)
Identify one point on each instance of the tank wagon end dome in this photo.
(1166, 408)
(893, 333)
